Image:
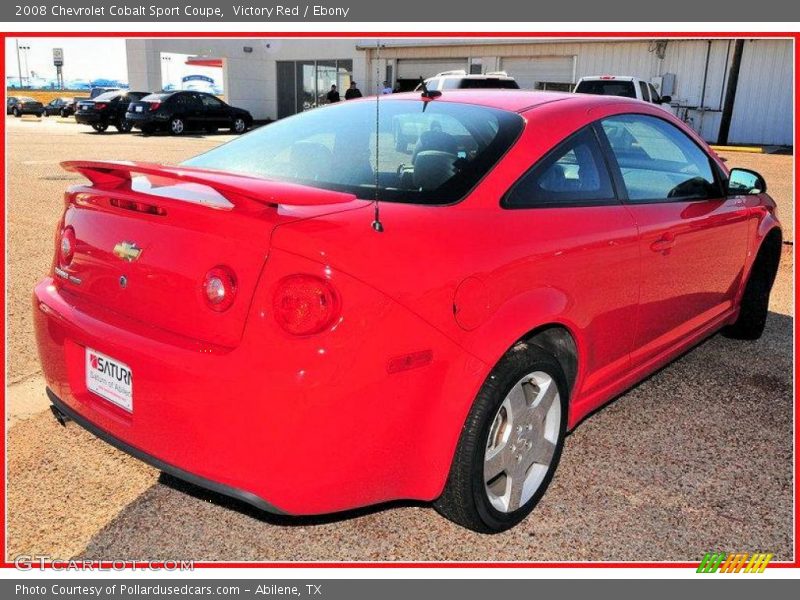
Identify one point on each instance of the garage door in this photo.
(529, 71)
(413, 68)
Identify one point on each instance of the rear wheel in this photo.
(239, 125)
(17, 113)
(124, 126)
(510, 444)
(177, 126)
(99, 127)
(63, 113)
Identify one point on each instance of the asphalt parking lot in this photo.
(696, 458)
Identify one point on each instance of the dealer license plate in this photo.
(109, 378)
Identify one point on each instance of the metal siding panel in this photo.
(530, 70)
(414, 68)
(762, 113)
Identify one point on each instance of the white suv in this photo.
(459, 80)
(628, 87)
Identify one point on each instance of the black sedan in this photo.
(62, 107)
(107, 109)
(25, 105)
(177, 112)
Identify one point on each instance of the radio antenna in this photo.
(376, 222)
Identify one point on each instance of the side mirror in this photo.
(666, 99)
(745, 182)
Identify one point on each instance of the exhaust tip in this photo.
(60, 416)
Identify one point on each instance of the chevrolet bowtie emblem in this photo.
(128, 251)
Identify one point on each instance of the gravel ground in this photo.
(698, 457)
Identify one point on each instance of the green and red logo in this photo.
(736, 562)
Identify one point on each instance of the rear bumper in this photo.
(88, 118)
(300, 425)
(202, 482)
(140, 120)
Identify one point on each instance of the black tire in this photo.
(99, 127)
(177, 126)
(17, 114)
(464, 500)
(124, 126)
(754, 306)
(239, 125)
(63, 113)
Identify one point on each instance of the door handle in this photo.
(665, 242)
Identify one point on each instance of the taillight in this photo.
(66, 246)
(154, 106)
(219, 288)
(305, 304)
(100, 105)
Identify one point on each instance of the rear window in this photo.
(486, 83)
(606, 87)
(106, 97)
(156, 97)
(422, 152)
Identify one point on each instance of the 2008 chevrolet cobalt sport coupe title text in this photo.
(244, 322)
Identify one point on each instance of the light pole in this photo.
(19, 66)
(166, 60)
(25, 59)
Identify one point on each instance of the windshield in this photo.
(423, 152)
(605, 87)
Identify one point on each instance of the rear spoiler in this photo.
(238, 189)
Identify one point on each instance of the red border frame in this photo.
(407, 34)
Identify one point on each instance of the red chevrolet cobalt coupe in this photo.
(414, 299)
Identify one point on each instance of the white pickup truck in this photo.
(622, 85)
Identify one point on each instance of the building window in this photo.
(304, 84)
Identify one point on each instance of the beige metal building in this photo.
(274, 78)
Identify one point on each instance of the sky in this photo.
(88, 58)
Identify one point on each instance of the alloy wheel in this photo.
(522, 442)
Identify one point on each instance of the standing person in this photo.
(333, 95)
(352, 91)
(387, 88)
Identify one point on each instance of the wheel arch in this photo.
(559, 341)
(767, 256)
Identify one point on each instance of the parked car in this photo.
(460, 80)
(107, 109)
(256, 322)
(63, 107)
(625, 86)
(181, 111)
(11, 101)
(24, 105)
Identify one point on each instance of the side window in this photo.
(573, 173)
(654, 94)
(659, 162)
(210, 102)
(645, 91)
